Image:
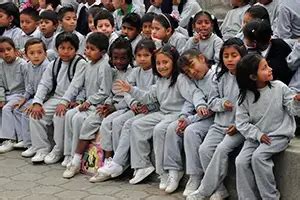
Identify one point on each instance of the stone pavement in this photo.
(19, 179)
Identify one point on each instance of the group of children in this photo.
(172, 83)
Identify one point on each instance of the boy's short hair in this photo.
(34, 41)
(50, 15)
(33, 13)
(148, 17)
(64, 10)
(67, 37)
(94, 10)
(104, 14)
(8, 40)
(134, 20)
(99, 40)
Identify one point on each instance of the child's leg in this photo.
(25, 132)
(117, 126)
(58, 135)
(68, 133)
(262, 165)
(245, 180)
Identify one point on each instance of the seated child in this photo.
(155, 7)
(48, 26)
(147, 25)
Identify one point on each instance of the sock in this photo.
(76, 159)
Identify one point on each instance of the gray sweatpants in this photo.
(38, 128)
(214, 158)
(8, 119)
(254, 169)
(121, 155)
(152, 125)
(112, 123)
(90, 127)
(73, 124)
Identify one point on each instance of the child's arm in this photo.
(291, 101)
(2, 89)
(293, 58)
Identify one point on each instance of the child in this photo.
(155, 7)
(10, 20)
(35, 51)
(258, 35)
(61, 81)
(104, 23)
(141, 77)
(92, 12)
(272, 7)
(163, 30)
(222, 137)
(29, 20)
(97, 88)
(147, 25)
(184, 10)
(120, 55)
(170, 92)
(204, 39)
(268, 125)
(48, 25)
(53, 5)
(131, 28)
(191, 127)
(12, 88)
(232, 23)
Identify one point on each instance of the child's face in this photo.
(120, 59)
(5, 20)
(7, 52)
(147, 29)
(36, 54)
(164, 65)
(66, 51)
(117, 4)
(197, 68)
(129, 31)
(203, 26)
(104, 26)
(108, 5)
(47, 27)
(247, 18)
(91, 23)
(230, 58)
(156, 3)
(264, 72)
(92, 52)
(143, 59)
(158, 31)
(28, 24)
(69, 21)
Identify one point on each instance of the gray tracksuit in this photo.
(178, 40)
(96, 89)
(12, 33)
(12, 88)
(154, 9)
(217, 144)
(210, 47)
(23, 38)
(155, 124)
(274, 117)
(65, 92)
(293, 61)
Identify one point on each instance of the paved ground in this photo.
(19, 179)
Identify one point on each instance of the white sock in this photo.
(76, 159)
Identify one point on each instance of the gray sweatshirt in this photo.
(272, 116)
(154, 9)
(12, 33)
(178, 40)
(33, 77)
(224, 89)
(12, 77)
(293, 61)
(65, 89)
(23, 38)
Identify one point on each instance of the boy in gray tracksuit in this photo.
(61, 81)
(12, 88)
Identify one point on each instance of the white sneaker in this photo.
(219, 195)
(7, 145)
(71, 171)
(52, 158)
(195, 196)
(66, 161)
(141, 174)
(163, 181)
(28, 153)
(39, 157)
(113, 169)
(19, 145)
(192, 185)
(173, 180)
(99, 177)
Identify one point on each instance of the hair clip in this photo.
(253, 30)
(212, 17)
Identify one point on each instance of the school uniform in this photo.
(65, 91)
(155, 124)
(154, 9)
(274, 117)
(118, 15)
(210, 48)
(232, 23)
(23, 38)
(217, 144)
(12, 88)
(293, 61)
(13, 32)
(113, 36)
(135, 42)
(47, 41)
(178, 40)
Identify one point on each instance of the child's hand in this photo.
(19, 104)
(134, 108)
(203, 112)
(121, 86)
(20, 54)
(182, 124)
(143, 109)
(176, 2)
(28, 110)
(265, 139)
(2, 103)
(105, 110)
(231, 130)
(37, 111)
(196, 38)
(228, 105)
(61, 110)
(72, 104)
(84, 107)
(297, 97)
